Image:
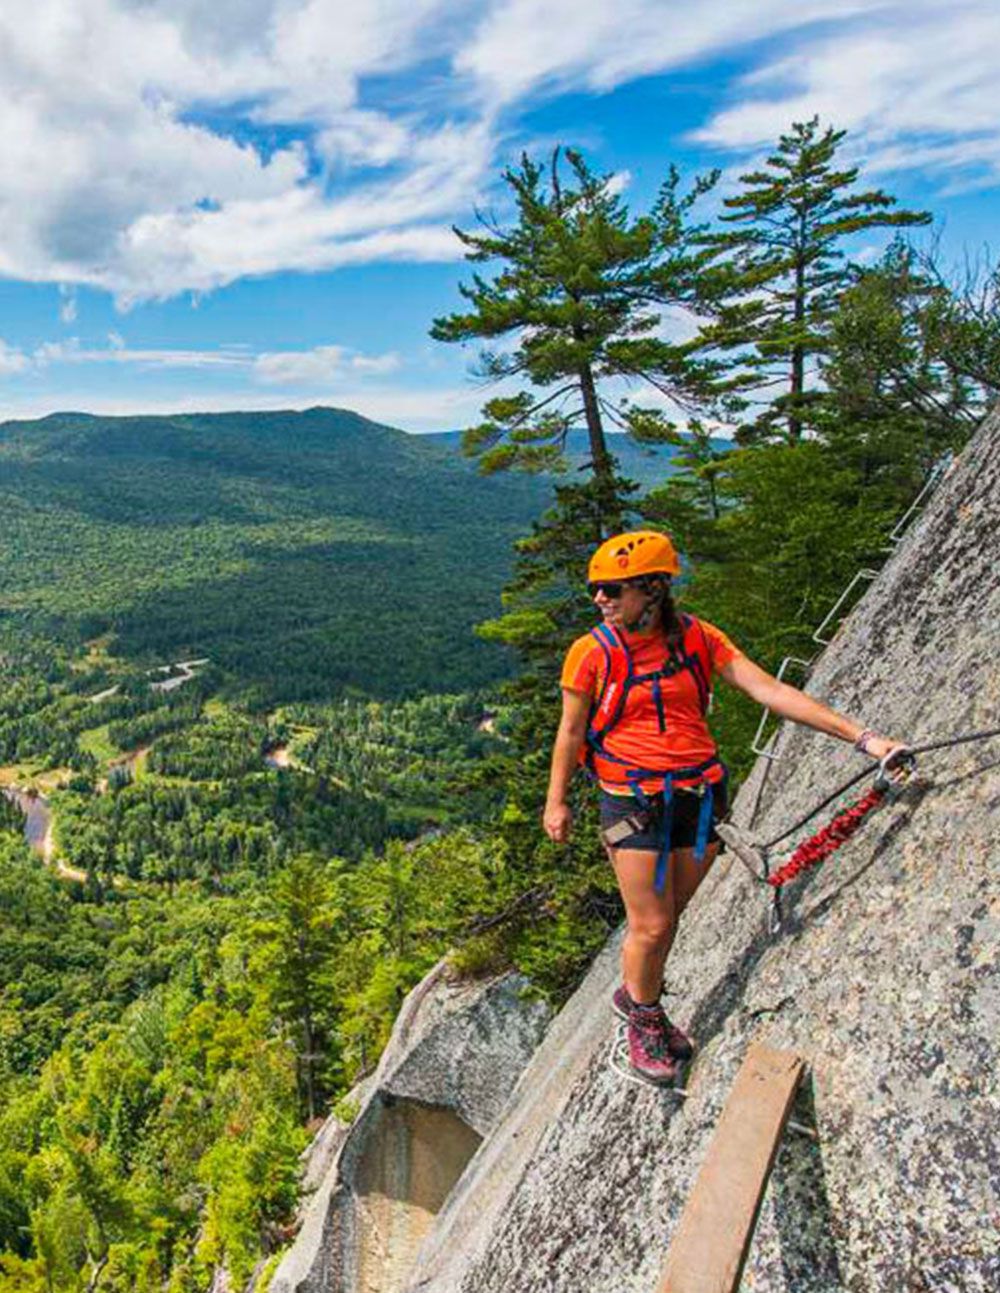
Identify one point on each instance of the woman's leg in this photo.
(686, 875)
(650, 922)
(652, 917)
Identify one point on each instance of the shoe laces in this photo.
(654, 1029)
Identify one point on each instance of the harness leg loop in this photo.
(663, 860)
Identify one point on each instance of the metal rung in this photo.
(832, 613)
(766, 751)
(938, 472)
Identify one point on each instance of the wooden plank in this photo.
(713, 1237)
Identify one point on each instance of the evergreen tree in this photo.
(578, 287)
(296, 944)
(545, 607)
(11, 817)
(778, 273)
(892, 407)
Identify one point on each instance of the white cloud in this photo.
(916, 87)
(296, 230)
(679, 324)
(119, 166)
(71, 352)
(67, 304)
(150, 147)
(619, 182)
(12, 360)
(523, 44)
(321, 366)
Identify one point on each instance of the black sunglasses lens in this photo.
(611, 590)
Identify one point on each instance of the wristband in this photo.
(861, 744)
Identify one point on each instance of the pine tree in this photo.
(778, 273)
(565, 912)
(296, 938)
(913, 363)
(578, 289)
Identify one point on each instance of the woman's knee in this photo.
(653, 934)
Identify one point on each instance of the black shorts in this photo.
(683, 819)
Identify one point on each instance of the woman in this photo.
(636, 692)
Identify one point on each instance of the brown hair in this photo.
(670, 620)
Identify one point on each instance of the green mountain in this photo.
(302, 552)
(243, 866)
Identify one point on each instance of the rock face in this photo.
(456, 1052)
(884, 978)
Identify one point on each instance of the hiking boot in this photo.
(648, 1055)
(678, 1042)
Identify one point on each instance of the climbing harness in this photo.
(828, 839)
(691, 653)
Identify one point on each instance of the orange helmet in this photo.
(626, 556)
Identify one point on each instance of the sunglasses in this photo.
(612, 589)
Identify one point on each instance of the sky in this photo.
(248, 204)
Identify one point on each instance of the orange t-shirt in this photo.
(636, 737)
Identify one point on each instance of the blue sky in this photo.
(217, 204)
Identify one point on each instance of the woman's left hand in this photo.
(881, 747)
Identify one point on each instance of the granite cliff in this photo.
(885, 977)
(374, 1186)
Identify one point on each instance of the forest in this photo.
(247, 873)
(243, 538)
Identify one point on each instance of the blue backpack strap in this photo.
(661, 717)
(601, 640)
(701, 670)
(594, 737)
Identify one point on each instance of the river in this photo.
(37, 816)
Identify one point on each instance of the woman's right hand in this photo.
(557, 821)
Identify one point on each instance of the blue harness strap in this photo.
(706, 809)
(644, 800)
(680, 658)
(663, 857)
(705, 814)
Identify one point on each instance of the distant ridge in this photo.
(303, 552)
